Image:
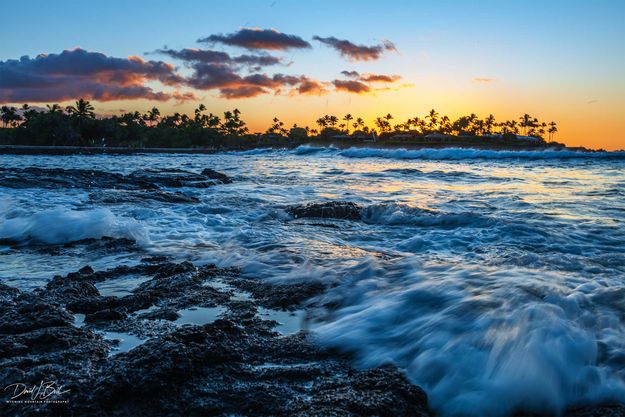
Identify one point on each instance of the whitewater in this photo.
(494, 279)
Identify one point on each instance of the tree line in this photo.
(78, 125)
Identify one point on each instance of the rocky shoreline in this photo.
(180, 339)
(237, 364)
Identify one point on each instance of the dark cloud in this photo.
(218, 57)
(242, 91)
(351, 74)
(351, 86)
(355, 52)
(231, 84)
(377, 78)
(79, 73)
(255, 38)
(371, 78)
(311, 87)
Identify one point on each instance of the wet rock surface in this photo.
(114, 188)
(234, 364)
(330, 210)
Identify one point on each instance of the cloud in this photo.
(80, 73)
(482, 80)
(255, 38)
(377, 78)
(351, 74)
(242, 91)
(355, 52)
(591, 101)
(351, 86)
(218, 57)
(311, 87)
(371, 78)
(231, 84)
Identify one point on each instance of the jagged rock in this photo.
(141, 196)
(172, 178)
(330, 210)
(212, 174)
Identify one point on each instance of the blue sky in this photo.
(542, 53)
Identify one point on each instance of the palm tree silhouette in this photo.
(82, 110)
(433, 116)
(489, 123)
(347, 118)
(54, 108)
(153, 116)
(553, 129)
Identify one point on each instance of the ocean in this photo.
(494, 279)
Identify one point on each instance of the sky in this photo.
(561, 60)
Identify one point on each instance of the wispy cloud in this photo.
(356, 52)
(482, 80)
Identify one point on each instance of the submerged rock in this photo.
(174, 178)
(147, 180)
(212, 174)
(331, 210)
(136, 197)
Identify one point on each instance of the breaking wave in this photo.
(481, 342)
(60, 225)
(465, 153)
(400, 214)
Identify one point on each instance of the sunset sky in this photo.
(557, 60)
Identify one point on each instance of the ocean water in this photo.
(495, 280)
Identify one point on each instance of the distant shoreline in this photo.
(97, 150)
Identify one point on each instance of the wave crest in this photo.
(59, 226)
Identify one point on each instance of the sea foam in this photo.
(468, 153)
(61, 225)
(480, 342)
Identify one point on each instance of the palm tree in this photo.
(82, 110)
(332, 120)
(347, 118)
(383, 123)
(445, 125)
(553, 129)
(322, 123)
(433, 116)
(526, 122)
(54, 108)
(153, 116)
(489, 123)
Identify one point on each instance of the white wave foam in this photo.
(466, 153)
(309, 149)
(399, 214)
(480, 342)
(60, 225)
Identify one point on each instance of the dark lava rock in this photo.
(224, 368)
(330, 210)
(105, 315)
(147, 179)
(140, 196)
(173, 178)
(68, 178)
(39, 344)
(214, 175)
(279, 296)
(168, 313)
(236, 365)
